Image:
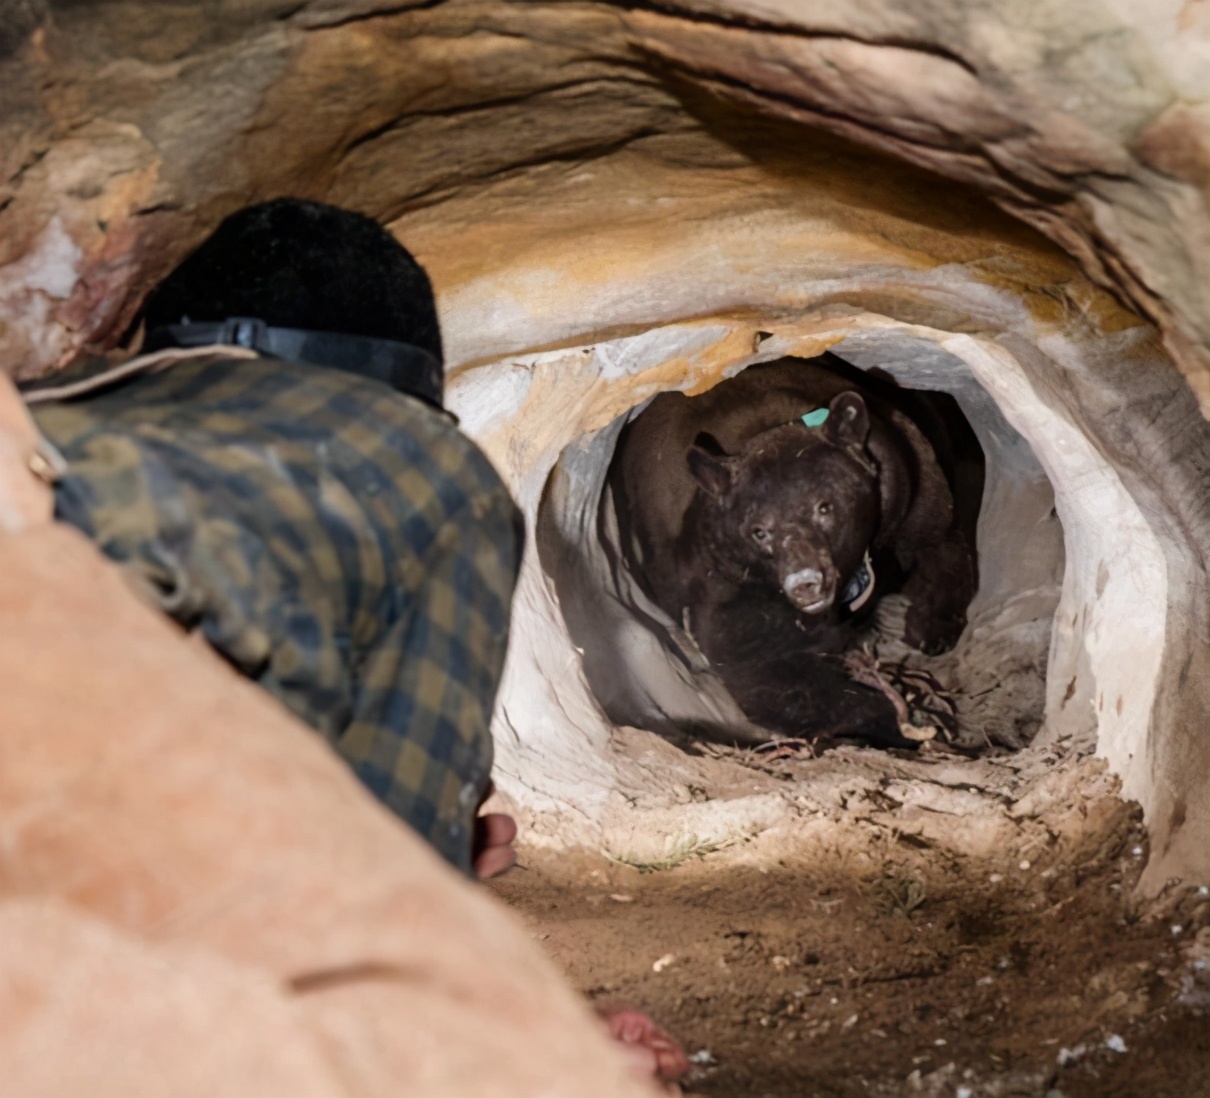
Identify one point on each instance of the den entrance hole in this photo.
(646, 671)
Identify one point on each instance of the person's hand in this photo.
(653, 1052)
(492, 852)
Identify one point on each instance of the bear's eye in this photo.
(824, 508)
(760, 535)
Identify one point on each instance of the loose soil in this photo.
(863, 954)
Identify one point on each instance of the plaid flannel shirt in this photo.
(344, 546)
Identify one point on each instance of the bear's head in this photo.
(797, 505)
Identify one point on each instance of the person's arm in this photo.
(420, 736)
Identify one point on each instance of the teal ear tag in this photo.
(816, 418)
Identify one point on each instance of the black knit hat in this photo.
(299, 264)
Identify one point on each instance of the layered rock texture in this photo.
(1007, 201)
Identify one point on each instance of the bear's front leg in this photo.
(811, 697)
(939, 589)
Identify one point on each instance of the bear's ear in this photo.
(709, 464)
(848, 425)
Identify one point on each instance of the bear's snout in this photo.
(809, 590)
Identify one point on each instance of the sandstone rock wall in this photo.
(619, 199)
(1087, 120)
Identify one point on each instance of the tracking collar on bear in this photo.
(860, 587)
(403, 366)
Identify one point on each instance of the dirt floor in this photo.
(926, 927)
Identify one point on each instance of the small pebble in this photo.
(835, 1001)
(1204, 891)
(1070, 1055)
(1023, 865)
(1137, 851)
(984, 981)
(780, 963)
(964, 1092)
(940, 1042)
(663, 962)
(702, 1058)
(850, 1022)
(1176, 929)
(1115, 1044)
(621, 897)
(996, 878)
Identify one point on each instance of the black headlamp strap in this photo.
(403, 366)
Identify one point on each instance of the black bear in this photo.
(769, 515)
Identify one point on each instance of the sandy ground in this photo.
(946, 927)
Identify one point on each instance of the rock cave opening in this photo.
(1089, 530)
(646, 672)
(1038, 651)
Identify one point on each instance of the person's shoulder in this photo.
(96, 375)
(371, 401)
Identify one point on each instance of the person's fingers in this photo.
(496, 829)
(492, 851)
(664, 1056)
(671, 1062)
(494, 861)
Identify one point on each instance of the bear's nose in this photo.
(808, 590)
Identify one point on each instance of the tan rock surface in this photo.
(85, 1009)
(441, 97)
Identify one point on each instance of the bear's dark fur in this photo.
(758, 533)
